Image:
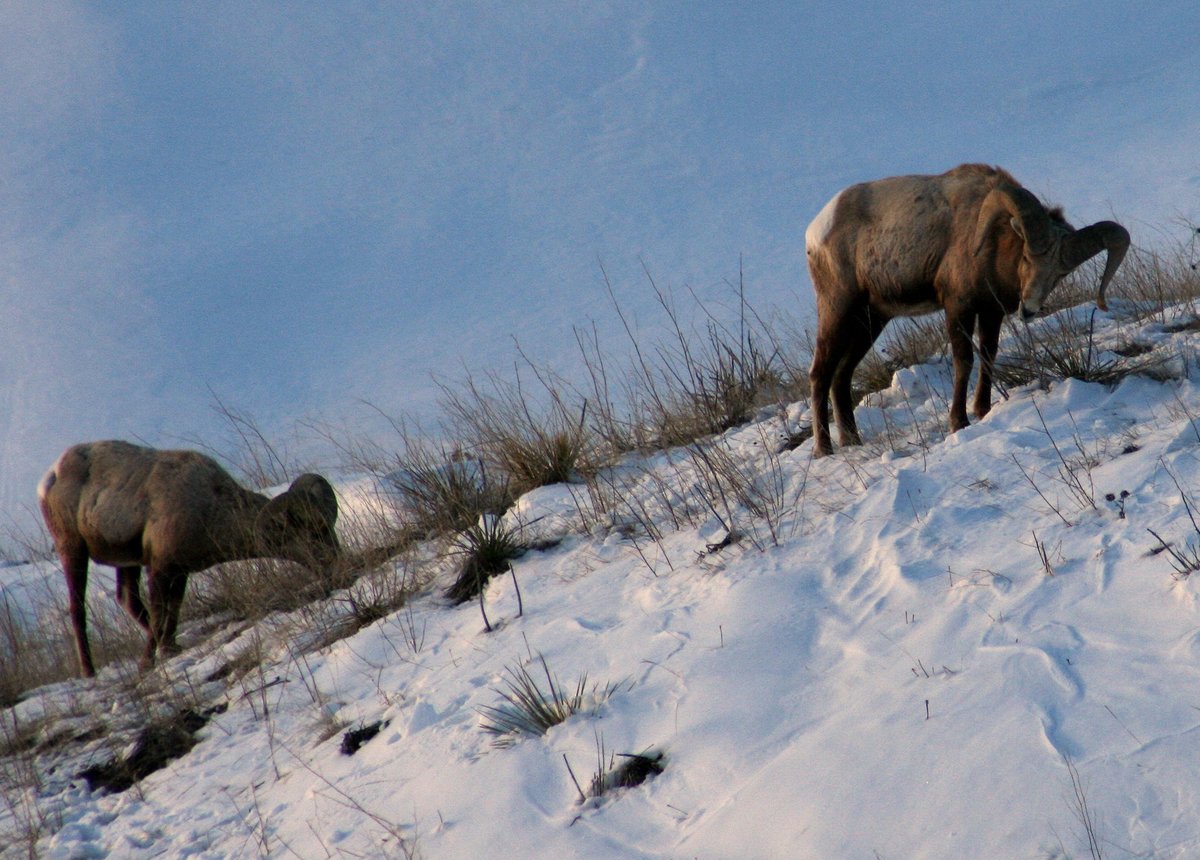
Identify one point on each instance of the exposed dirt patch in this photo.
(353, 740)
(159, 743)
(636, 769)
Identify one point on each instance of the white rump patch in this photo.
(821, 225)
(47, 481)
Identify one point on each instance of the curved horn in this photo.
(1089, 241)
(1029, 215)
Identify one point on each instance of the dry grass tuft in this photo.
(713, 370)
(531, 441)
(1065, 348)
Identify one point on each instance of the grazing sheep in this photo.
(174, 512)
(970, 241)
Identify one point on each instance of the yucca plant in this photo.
(527, 710)
(486, 548)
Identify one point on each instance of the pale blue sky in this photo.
(300, 205)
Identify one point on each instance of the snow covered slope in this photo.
(906, 654)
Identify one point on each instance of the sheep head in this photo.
(1051, 247)
(299, 523)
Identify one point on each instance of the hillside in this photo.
(924, 647)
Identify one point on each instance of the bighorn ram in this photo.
(175, 512)
(971, 241)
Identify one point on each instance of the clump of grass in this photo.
(1157, 283)
(444, 493)
(1065, 348)
(634, 769)
(714, 368)
(527, 710)
(253, 589)
(426, 487)
(486, 548)
(160, 742)
(532, 439)
(710, 380)
(377, 595)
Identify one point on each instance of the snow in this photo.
(880, 665)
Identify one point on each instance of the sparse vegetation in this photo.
(251, 590)
(714, 370)
(160, 742)
(377, 594)
(441, 501)
(1065, 348)
(36, 650)
(633, 770)
(1163, 284)
(1185, 559)
(1082, 810)
(447, 494)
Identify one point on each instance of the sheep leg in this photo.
(959, 326)
(820, 377)
(175, 587)
(832, 325)
(989, 343)
(156, 594)
(129, 586)
(75, 566)
(862, 330)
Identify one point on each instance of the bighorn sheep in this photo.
(175, 512)
(971, 241)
